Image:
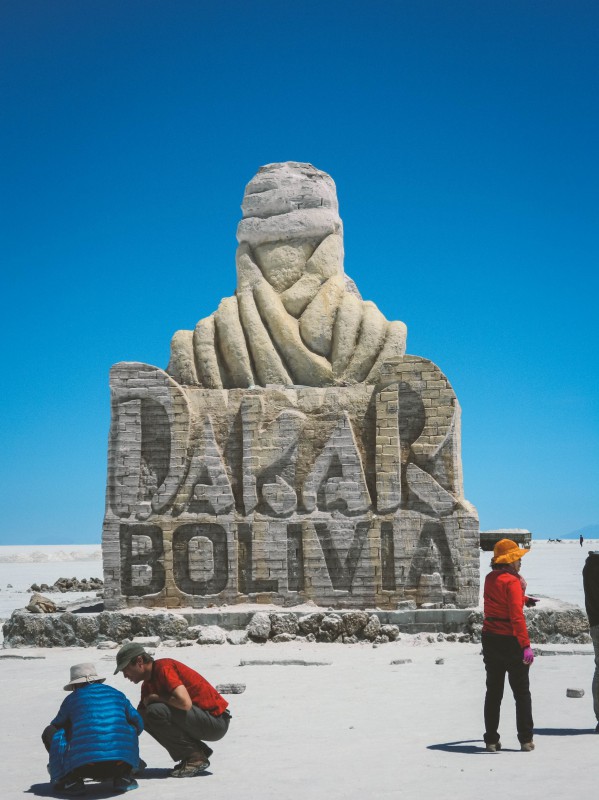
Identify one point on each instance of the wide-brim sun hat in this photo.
(507, 551)
(82, 674)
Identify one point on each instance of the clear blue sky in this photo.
(462, 136)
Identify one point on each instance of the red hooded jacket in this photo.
(504, 602)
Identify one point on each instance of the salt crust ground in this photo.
(358, 727)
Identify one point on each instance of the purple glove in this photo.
(528, 656)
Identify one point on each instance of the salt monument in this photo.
(291, 450)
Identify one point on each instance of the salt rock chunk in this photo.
(283, 623)
(259, 626)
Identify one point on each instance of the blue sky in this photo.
(463, 140)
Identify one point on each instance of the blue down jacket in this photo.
(97, 723)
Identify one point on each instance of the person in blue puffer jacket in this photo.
(94, 735)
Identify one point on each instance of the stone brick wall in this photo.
(346, 496)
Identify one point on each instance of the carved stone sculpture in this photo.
(296, 318)
(291, 451)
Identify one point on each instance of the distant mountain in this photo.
(589, 532)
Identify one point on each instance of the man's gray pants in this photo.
(594, 630)
(183, 733)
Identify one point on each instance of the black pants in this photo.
(503, 654)
(184, 733)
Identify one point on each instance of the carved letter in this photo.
(200, 560)
(142, 570)
(269, 456)
(388, 450)
(148, 440)
(207, 489)
(337, 479)
(342, 545)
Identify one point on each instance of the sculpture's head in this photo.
(288, 210)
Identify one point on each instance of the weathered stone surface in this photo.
(289, 269)
(381, 639)
(354, 622)
(282, 662)
(310, 623)
(291, 452)
(390, 631)
(63, 629)
(209, 634)
(284, 637)
(259, 627)
(332, 624)
(237, 637)
(566, 625)
(147, 641)
(39, 604)
(230, 688)
(69, 585)
(372, 628)
(283, 624)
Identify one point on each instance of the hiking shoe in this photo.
(124, 784)
(526, 747)
(493, 748)
(191, 768)
(71, 787)
(596, 731)
(140, 767)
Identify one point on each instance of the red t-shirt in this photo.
(168, 674)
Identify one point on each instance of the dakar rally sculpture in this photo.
(291, 451)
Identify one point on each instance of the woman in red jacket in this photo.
(506, 646)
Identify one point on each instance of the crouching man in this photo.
(94, 735)
(180, 709)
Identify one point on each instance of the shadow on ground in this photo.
(468, 746)
(563, 731)
(476, 746)
(99, 791)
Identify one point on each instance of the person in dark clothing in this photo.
(590, 582)
(506, 645)
(581, 539)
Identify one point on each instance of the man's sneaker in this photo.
(140, 767)
(526, 747)
(71, 787)
(195, 765)
(124, 784)
(493, 748)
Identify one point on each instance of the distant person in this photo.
(94, 735)
(180, 709)
(581, 539)
(590, 582)
(506, 644)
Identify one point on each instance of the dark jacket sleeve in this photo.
(590, 582)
